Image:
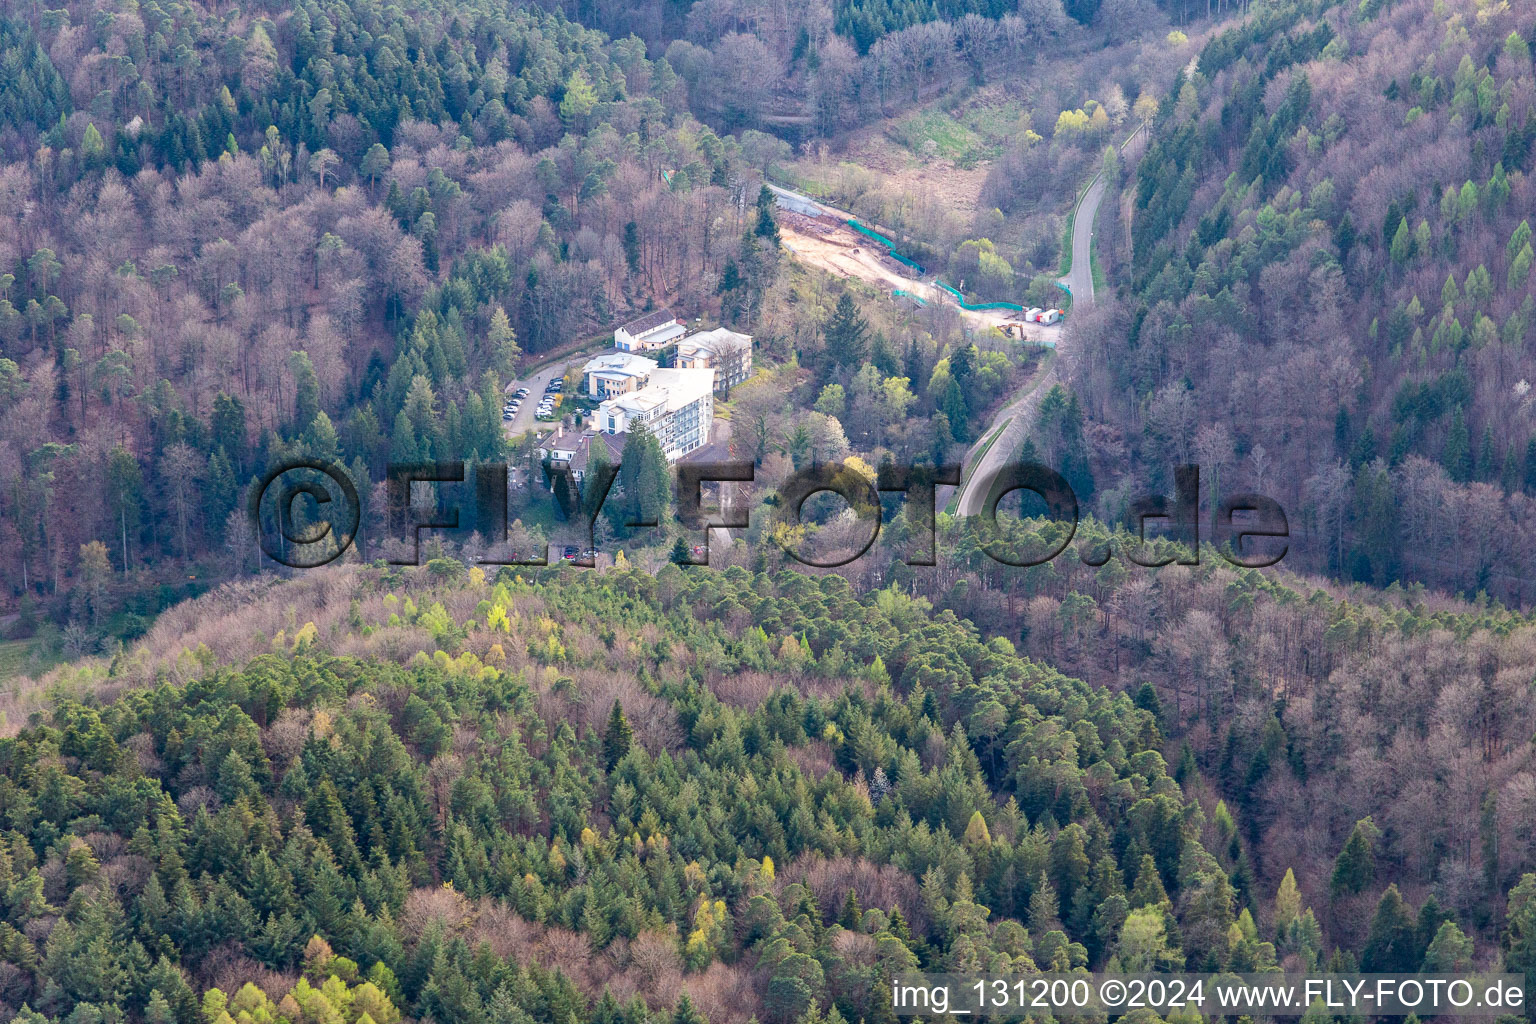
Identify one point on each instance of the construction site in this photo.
(830, 241)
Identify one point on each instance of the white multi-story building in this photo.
(677, 407)
(726, 352)
(616, 373)
(648, 333)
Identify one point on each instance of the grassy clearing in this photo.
(1064, 267)
(797, 179)
(15, 657)
(975, 133)
(935, 133)
(996, 121)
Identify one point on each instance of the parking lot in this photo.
(525, 419)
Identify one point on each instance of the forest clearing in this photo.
(829, 244)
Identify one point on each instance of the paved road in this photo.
(1079, 279)
(1019, 415)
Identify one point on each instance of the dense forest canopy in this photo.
(1330, 294)
(595, 795)
(687, 796)
(335, 231)
(650, 794)
(331, 231)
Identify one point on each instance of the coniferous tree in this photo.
(1392, 946)
(1355, 868)
(852, 914)
(1456, 457)
(617, 737)
(632, 247)
(767, 227)
(643, 475)
(845, 332)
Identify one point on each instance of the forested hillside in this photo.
(335, 231)
(1332, 299)
(651, 794)
(612, 797)
(1309, 707)
(330, 232)
(863, 23)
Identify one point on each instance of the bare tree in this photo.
(180, 469)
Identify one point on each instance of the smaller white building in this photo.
(574, 448)
(724, 351)
(648, 333)
(677, 407)
(616, 373)
(559, 446)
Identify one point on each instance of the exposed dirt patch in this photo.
(956, 188)
(832, 246)
(941, 151)
(897, 172)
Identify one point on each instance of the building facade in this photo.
(616, 373)
(677, 407)
(726, 352)
(648, 333)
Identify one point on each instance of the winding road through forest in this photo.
(1003, 436)
(1000, 441)
(996, 445)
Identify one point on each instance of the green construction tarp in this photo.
(890, 245)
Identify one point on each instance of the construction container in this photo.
(1032, 315)
(1050, 316)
